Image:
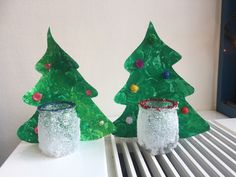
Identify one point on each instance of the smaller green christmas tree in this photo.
(61, 81)
(152, 76)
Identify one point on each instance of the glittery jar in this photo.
(157, 125)
(58, 129)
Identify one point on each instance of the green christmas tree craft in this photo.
(152, 76)
(61, 81)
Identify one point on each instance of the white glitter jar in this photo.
(158, 126)
(58, 129)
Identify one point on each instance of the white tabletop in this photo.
(28, 161)
(229, 124)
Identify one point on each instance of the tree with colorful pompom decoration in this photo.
(156, 80)
(61, 81)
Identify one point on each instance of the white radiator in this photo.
(209, 154)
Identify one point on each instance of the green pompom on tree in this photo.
(152, 76)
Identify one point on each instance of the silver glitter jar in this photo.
(157, 125)
(58, 129)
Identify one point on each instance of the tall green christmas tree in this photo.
(152, 76)
(61, 81)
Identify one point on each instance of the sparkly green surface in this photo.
(62, 82)
(124, 129)
(26, 131)
(157, 58)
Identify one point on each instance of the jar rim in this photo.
(143, 104)
(68, 104)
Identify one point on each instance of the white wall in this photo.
(100, 35)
